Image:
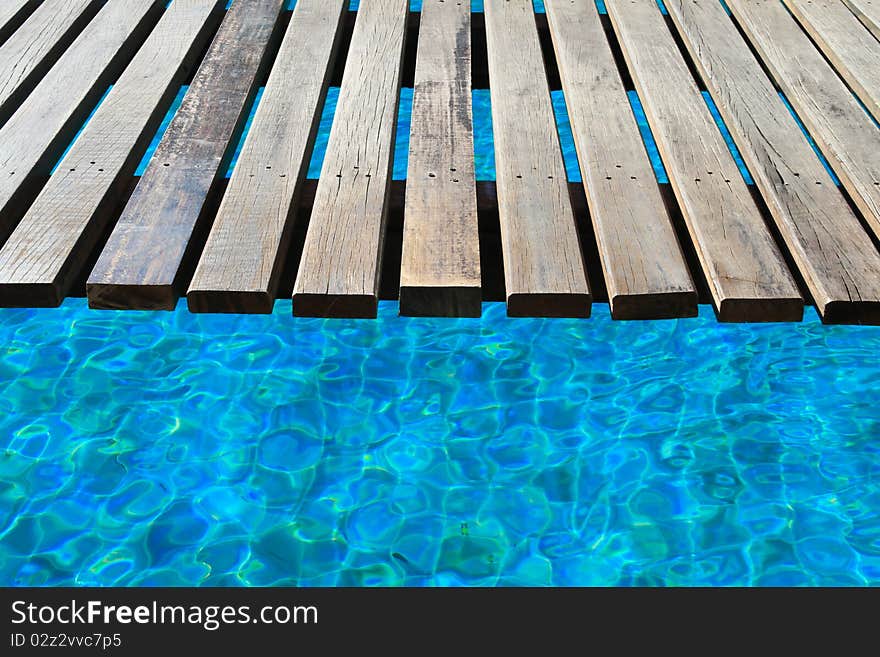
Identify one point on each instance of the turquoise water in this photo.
(170, 448)
(173, 448)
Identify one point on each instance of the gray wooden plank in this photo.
(744, 269)
(45, 253)
(440, 271)
(853, 51)
(845, 134)
(143, 261)
(36, 45)
(241, 262)
(834, 254)
(341, 261)
(12, 13)
(867, 11)
(35, 136)
(543, 266)
(644, 268)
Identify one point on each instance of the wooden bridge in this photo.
(75, 220)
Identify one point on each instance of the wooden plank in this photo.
(644, 268)
(440, 272)
(33, 49)
(339, 270)
(853, 51)
(834, 254)
(543, 267)
(141, 265)
(12, 13)
(744, 269)
(834, 118)
(48, 249)
(35, 136)
(241, 263)
(867, 11)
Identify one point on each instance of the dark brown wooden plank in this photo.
(35, 136)
(47, 249)
(32, 50)
(745, 271)
(644, 268)
(544, 271)
(834, 254)
(440, 271)
(141, 264)
(339, 270)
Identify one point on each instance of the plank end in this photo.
(761, 310)
(662, 305)
(114, 296)
(851, 312)
(250, 302)
(347, 306)
(30, 295)
(435, 301)
(549, 304)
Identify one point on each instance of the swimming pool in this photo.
(179, 449)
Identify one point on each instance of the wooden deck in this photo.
(793, 84)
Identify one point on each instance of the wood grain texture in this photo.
(440, 272)
(241, 263)
(644, 268)
(834, 118)
(867, 11)
(339, 270)
(140, 266)
(59, 231)
(745, 271)
(36, 45)
(12, 12)
(544, 271)
(853, 51)
(35, 136)
(834, 254)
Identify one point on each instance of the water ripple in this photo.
(169, 449)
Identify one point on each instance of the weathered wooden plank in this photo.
(440, 272)
(834, 254)
(48, 248)
(644, 268)
(35, 136)
(140, 267)
(339, 270)
(867, 11)
(36, 45)
(241, 263)
(12, 12)
(744, 269)
(853, 51)
(543, 266)
(840, 127)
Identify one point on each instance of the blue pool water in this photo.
(142, 448)
(170, 448)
